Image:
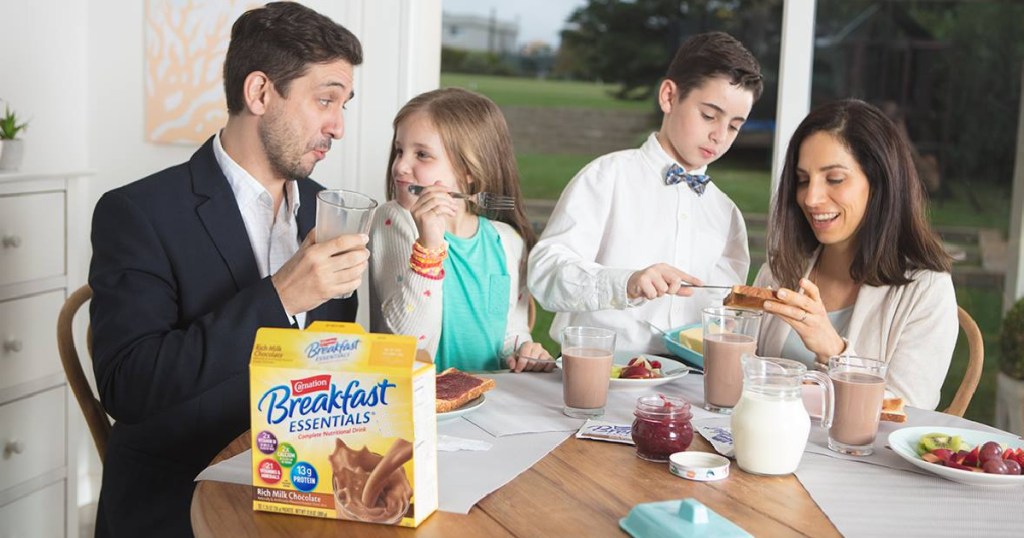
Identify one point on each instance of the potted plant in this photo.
(1010, 380)
(11, 147)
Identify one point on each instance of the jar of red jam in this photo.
(662, 426)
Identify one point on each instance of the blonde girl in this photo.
(442, 269)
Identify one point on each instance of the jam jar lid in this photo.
(662, 407)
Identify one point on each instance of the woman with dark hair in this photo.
(849, 231)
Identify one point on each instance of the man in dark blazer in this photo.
(187, 264)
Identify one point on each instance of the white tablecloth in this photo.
(872, 500)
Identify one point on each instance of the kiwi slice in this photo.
(932, 441)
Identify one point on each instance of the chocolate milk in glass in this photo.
(723, 374)
(587, 372)
(728, 334)
(858, 407)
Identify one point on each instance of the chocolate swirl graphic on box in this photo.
(371, 487)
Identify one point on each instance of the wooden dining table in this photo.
(582, 488)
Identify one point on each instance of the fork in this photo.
(486, 200)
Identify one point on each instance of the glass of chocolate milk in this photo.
(859, 384)
(729, 333)
(586, 370)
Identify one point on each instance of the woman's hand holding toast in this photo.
(806, 314)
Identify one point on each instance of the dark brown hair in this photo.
(478, 144)
(894, 236)
(714, 54)
(282, 39)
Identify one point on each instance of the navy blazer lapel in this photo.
(306, 218)
(221, 217)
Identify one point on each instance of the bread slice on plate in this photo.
(456, 388)
(892, 410)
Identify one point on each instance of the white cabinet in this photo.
(39, 416)
(21, 517)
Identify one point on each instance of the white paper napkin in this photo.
(450, 443)
(718, 432)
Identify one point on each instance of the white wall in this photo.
(75, 69)
(43, 78)
(401, 58)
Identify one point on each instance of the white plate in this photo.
(470, 406)
(670, 371)
(904, 443)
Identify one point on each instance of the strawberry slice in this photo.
(636, 371)
(954, 465)
(1008, 454)
(972, 457)
(656, 364)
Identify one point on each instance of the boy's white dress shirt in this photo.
(616, 217)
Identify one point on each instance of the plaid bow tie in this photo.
(697, 182)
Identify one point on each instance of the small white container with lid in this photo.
(698, 466)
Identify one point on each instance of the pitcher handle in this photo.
(828, 402)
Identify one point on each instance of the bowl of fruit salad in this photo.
(634, 371)
(967, 456)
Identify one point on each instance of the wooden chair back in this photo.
(976, 347)
(95, 415)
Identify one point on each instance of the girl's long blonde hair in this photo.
(476, 138)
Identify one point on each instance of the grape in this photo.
(994, 466)
(990, 450)
(1012, 467)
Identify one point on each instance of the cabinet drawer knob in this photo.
(12, 345)
(14, 447)
(12, 241)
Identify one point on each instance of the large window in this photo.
(577, 81)
(949, 73)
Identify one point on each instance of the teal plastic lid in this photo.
(677, 519)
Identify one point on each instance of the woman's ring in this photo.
(802, 318)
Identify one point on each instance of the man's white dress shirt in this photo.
(274, 238)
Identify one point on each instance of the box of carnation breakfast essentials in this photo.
(343, 425)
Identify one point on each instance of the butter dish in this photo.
(689, 356)
(677, 519)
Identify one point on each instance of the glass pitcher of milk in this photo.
(770, 424)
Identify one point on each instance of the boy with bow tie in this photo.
(635, 227)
